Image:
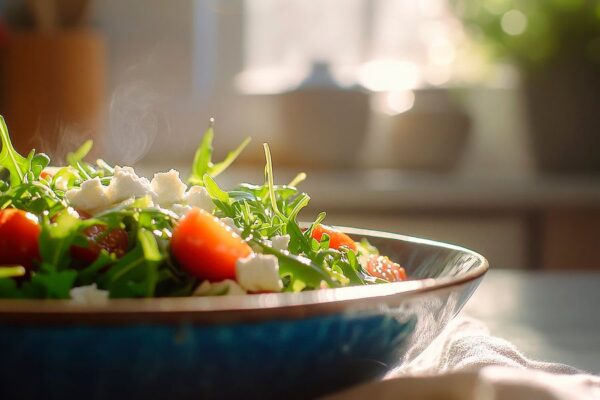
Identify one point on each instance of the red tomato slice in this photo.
(115, 241)
(384, 268)
(19, 238)
(337, 238)
(206, 248)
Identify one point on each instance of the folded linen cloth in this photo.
(466, 362)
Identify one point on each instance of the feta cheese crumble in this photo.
(180, 209)
(258, 272)
(231, 225)
(168, 187)
(90, 196)
(126, 184)
(89, 295)
(280, 242)
(166, 190)
(197, 196)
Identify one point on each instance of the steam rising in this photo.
(134, 120)
(57, 139)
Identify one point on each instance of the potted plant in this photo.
(556, 46)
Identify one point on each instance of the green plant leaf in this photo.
(9, 289)
(57, 284)
(57, 237)
(136, 273)
(298, 268)
(38, 163)
(217, 168)
(269, 182)
(90, 274)
(214, 190)
(16, 164)
(301, 177)
(203, 155)
(79, 154)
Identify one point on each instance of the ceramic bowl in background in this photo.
(431, 136)
(321, 127)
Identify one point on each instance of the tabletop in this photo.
(548, 316)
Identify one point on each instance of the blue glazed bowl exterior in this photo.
(281, 348)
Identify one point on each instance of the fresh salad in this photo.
(93, 231)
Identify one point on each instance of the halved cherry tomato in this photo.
(19, 238)
(337, 238)
(114, 241)
(206, 248)
(384, 268)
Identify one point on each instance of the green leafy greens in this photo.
(146, 267)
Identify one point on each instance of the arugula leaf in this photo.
(214, 190)
(320, 218)
(9, 289)
(298, 242)
(57, 237)
(351, 268)
(16, 164)
(75, 159)
(216, 169)
(298, 268)
(136, 273)
(301, 177)
(38, 163)
(79, 154)
(201, 162)
(90, 274)
(203, 165)
(269, 182)
(301, 201)
(56, 284)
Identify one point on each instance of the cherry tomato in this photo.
(384, 268)
(206, 248)
(19, 238)
(114, 241)
(337, 238)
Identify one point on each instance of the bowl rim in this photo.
(244, 308)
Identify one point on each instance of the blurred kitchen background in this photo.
(474, 122)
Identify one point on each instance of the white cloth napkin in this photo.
(466, 362)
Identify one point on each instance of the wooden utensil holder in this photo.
(54, 89)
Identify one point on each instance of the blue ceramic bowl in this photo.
(262, 346)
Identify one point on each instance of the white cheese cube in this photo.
(258, 272)
(90, 196)
(126, 184)
(180, 209)
(280, 242)
(61, 183)
(168, 187)
(231, 225)
(197, 196)
(89, 295)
